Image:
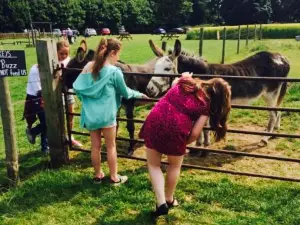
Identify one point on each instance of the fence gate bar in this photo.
(232, 172)
(216, 151)
(52, 96)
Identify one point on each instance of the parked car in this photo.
(159, 31)
(90, 32)
(186, 29)
(57, 32)
(177, 30)
(104, 31)
(29, 30)
(76, 32)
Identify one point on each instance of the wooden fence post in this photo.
(260, 32)
(201, 41)
(10, 140)
(54, 110)
(224, 43)
(164, 46)
(239, 39)
(247, 37)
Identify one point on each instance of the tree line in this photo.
(143, 15)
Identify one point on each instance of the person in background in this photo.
(34, 104)
(100, 87)
(177, 120)
(63, 54)
(70, 36)
(34, 109)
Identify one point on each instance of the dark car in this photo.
(186, 29)
(159, 31)
(177, 30)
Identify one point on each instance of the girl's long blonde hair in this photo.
(218, 92)
(62, 44)
(105, 47)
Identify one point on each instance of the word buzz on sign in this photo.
(12, 63)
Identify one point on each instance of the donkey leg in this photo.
(199, 140)
(130, 125)
(203, 139)
(278, 120)
(271, 99)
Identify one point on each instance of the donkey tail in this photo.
(283, 90)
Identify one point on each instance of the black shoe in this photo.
(31, 137)
(161, 210)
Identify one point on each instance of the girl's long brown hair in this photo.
(218, 92)
(105, 47)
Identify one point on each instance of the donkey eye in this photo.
(167, 69)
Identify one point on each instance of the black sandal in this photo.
(161, 210)
(171, 204)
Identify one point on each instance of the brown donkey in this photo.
(262, 64)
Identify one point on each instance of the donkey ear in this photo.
(83, 45)
(177, 48)
(80, 54)
(156, 50)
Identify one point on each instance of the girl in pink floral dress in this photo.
(177, 120)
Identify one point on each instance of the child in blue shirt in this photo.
(100, 87)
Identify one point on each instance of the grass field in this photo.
(67, 195)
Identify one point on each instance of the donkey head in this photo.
(164, 65)
(82, 57)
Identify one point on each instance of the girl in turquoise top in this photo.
(100, 87)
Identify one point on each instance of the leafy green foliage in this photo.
(246, 12)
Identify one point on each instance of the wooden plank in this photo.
(224, 46)
(51, 92)
(9, 132)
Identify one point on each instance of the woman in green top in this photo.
(100, 87)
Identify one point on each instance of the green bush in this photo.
(269, 31)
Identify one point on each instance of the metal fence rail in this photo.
(189, 166)
(216, 151)
(235, 131)
(228, 152)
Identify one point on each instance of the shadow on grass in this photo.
(29, 164)
(217, 159)
(142, 218)
(54, 186)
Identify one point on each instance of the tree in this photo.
(246, 11)
(215, 7)
(172, 13)
(199, 13)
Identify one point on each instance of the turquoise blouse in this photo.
(101, 99)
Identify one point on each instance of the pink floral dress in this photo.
(169, 123)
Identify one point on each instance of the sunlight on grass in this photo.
(68, 196)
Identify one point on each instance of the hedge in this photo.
(269, 31)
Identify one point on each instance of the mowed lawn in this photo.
(67, 195)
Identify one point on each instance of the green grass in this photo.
(67, 195)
